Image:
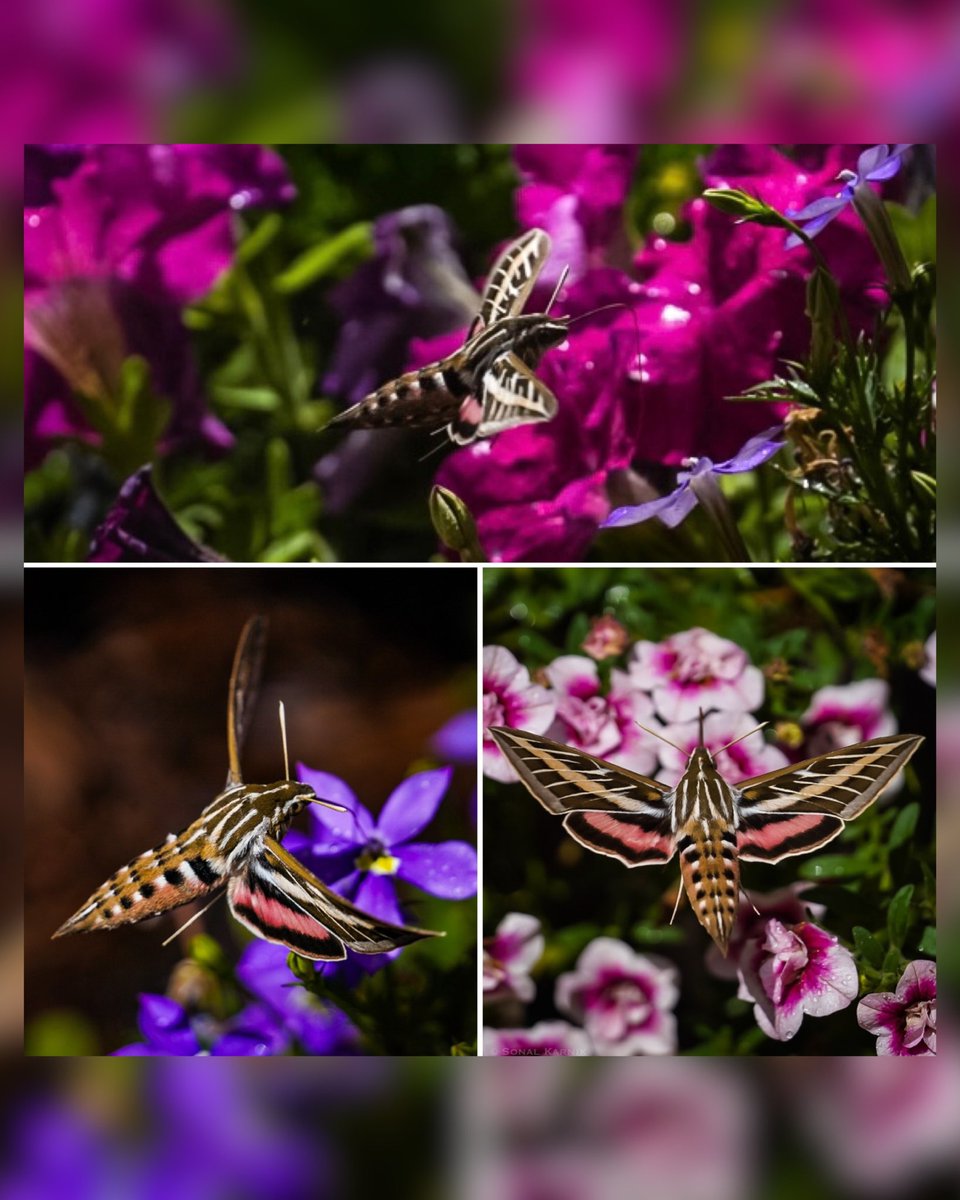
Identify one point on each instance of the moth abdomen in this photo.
(711, 876)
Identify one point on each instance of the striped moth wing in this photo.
(278, 899)
(511, 395)
(606, 808)
(511, 279)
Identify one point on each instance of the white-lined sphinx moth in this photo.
(713, 825)
(235, 844)
(488, 385)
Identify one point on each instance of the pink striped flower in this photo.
(696, 669)
(510, 698)
(598, 724)
(509, 956)
(905, 1021)
(623, 999)
(795, 970)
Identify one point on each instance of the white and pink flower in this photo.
(623, 999)
(792, 971)
(905, 1021)
(510, 698)
(749, 757)
(928, 672)
(546, 1039)
(509, 956)
(602, 725)
(847, 713)
(696, 670)
(786, 904)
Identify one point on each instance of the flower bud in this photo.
(455, 525)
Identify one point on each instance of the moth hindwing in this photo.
(713, 825)
(234, 846)
(488, 384)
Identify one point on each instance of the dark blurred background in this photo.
(125, 731)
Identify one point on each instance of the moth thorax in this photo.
(533, 335)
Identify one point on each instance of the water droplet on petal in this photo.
(673, 315)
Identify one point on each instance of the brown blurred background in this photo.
(126, 675)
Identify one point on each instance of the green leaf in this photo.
(868, 949)
(928, 943)
(833, 866)
(336, 254)
(898, 915)
(904, 825)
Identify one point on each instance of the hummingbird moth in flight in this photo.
(235, 845)
(712, 824)
(488, 385)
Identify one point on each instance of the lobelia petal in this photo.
(444, 869)
(335, 829)
(412, 805)
(670, 509)
(754, 452)
(376, 895)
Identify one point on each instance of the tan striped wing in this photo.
(278, 899)
(800, 808)
(511, 278)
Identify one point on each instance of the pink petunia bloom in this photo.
(623, 999)
(510, 698)
(905, 1021)
(844, 714)
(607, 638)
(546, 1039)
(786, 904)
(602, 725)
(793, 970)
(508, 957)
(748, 758)
(694, 670)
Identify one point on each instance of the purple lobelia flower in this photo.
(905, 1021)
(873, 165)
(360, 856)
(168, 1029)
(692, 482)
(543, 1040)
(140, 528)
(789, 971)
(132, 234)
(623, 999)
(508, 957)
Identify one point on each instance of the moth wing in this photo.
(278, 899)
(511, 278)
(635, 839)
(242, 694)
(512, 395)
(800, 808)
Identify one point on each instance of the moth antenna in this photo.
(653, 733)
(762, 725)
(750, 901)
(677, 904)
(283, 735)
(700, 717)
(556, 291)
(436, 449)
(187, 924)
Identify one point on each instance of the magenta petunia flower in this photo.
(509, 698)
(602, 725)
(794, 970)
(576, 193)
(623, 999)
(132, 234)
(140, 528)
(607, 638)
(904, 1021)
(696, 669)
(749, 757)
(509, 956)
(543, 1040)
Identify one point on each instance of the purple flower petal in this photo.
(140, 528)
(376, 896)
(444, 869)
(335, 831)
(757, 450)
(457, 739)
(411, 806)
(670, 509)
